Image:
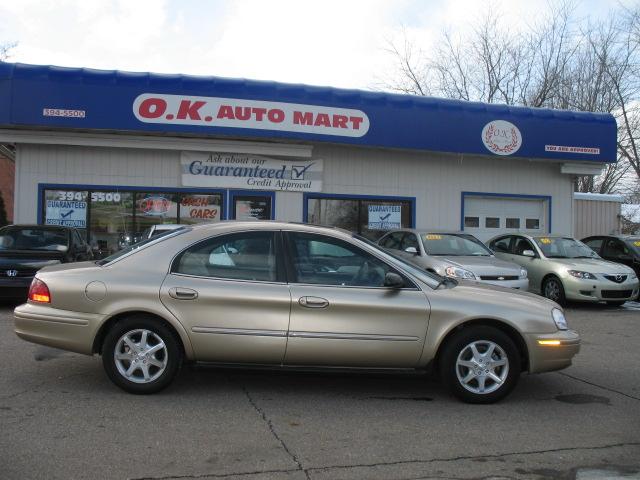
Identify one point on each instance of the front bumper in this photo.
(520, 284)
(599, 290)
(73, 331)
(547, 358)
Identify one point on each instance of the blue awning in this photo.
(88, 100)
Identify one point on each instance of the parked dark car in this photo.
(25, 249)
(623, 249)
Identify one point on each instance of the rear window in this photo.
(140, 245)
(34, 238)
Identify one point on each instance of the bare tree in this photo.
(558, 62)
(5, 50)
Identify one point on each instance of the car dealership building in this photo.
(115, 152)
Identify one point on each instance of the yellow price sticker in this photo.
(434, 237)
(637, 243)
(546, 241)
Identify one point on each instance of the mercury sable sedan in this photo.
(289, 295)
(562, 268)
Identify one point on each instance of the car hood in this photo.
(523, 298)
(483, 266)
(591, 265)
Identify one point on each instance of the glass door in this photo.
(251, 206)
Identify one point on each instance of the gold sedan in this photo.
(279, 294)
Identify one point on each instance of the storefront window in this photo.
(370, 218)
(117, 218)
(111, 225)
(68, 208)
(200, 208)
(154, 208)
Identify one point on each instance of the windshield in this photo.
(564, 248)
(429, 278)
(34, 238)
(137, 246)
(453, 244)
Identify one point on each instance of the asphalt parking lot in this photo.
(60, 417)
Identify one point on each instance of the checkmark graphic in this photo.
(298, 171)
(382, 219)
(65, 215)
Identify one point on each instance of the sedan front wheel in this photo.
(480, 365)
(141, 355)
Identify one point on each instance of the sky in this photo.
(339, 43)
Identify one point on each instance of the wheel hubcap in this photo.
(140, 356)
(552, 290)
(482, 367)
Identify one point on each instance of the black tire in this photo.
(616, 303)
(458, 345)
(553, 289)
(163, 364)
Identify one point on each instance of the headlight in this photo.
(633, 276)
(558, 317)
(582, 275)
(523, 273)
(459, 273)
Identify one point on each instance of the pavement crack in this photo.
(216, 475)
(599, 386)
(470, 457)
(269, 423)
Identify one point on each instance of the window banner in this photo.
(246, 171)
(68, 213)
(385, 217)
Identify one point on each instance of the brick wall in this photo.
(7, 184)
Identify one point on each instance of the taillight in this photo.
(39, 292)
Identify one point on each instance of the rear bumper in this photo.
(14, 287)
(73, 331)
(547, 358)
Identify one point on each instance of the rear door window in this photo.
(239, 256)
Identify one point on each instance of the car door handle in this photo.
(313, 302)
(183, 293)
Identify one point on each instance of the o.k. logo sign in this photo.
(501, 137)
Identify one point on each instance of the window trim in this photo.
(291, 273)
(281, 275)
(306, 196)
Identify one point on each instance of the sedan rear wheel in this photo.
(480, 365)
(141, 355)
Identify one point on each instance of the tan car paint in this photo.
(413, 335)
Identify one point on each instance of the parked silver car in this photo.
(279, 294)
(454, 254)
(563, 268)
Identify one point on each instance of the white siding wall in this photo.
(436, 180)
(593, 217)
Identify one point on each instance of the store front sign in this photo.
(385, 217)
(244, 171)
(252, 114)
(66, 213)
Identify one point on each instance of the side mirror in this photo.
(411, 250)
(529, 253)
(393, 280)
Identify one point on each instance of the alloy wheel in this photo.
(140, 356)
(482, 367)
